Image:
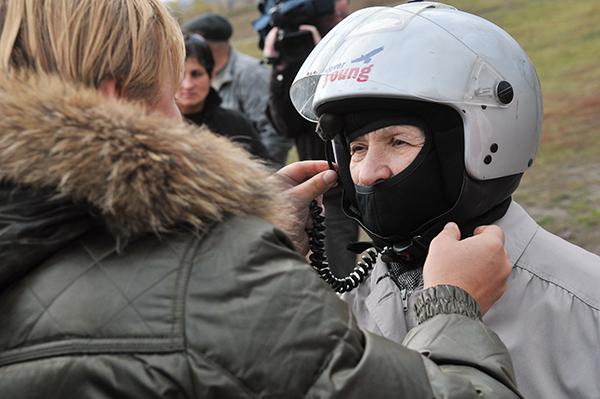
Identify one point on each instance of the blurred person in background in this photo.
(200, 103)
(241, 80)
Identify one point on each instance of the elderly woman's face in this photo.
(383, 153)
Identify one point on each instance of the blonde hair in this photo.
(137, 42)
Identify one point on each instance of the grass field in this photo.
(562, 38)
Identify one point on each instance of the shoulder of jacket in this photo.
(143, 171)
(550, 258)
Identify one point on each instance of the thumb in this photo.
(317, 185)
(269, 44)
(451, 230)
(491, 230)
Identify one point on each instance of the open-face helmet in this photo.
(469, 83)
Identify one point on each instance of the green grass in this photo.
(562, 38)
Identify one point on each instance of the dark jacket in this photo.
(289, 123)
(286, 120)
(136, 261)
(231, 124)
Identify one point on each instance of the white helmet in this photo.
(471, 83)
(434, 53)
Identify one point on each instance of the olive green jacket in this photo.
(136, 261)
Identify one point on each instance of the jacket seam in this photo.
(92, 346)
(180, 304)
(223, 371)
(330, 354)
(556, 284)
(97, 262)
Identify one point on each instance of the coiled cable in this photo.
(318, 259)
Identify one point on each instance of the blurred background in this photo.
(562, 38)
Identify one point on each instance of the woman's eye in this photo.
(196, 74)
(356, 148)
(398, 142)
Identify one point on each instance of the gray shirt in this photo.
(549, 316)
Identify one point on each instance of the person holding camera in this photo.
(286, 51)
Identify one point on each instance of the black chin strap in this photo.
(418, 246)
(330, 157)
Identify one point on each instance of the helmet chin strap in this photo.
(330, 157)
(398, 249)
(394, 249)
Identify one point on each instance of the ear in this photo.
(110, 87)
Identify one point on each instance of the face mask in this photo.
(434, 189)
(401, 204)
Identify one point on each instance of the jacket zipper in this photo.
(404, 296)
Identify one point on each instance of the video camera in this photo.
(292, 44)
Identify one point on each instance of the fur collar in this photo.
(144, 172)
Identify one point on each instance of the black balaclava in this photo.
(387, 207)
(407, 211)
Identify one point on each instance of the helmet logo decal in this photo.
(361, 75)
(357, 73)
(366, 58)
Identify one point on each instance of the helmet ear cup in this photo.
(329, 126)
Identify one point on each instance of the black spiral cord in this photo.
(318, 259)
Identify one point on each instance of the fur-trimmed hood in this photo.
(142, 171)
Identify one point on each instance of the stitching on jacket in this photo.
(184, 276)
(95, 346)
(556, 284)
(234, 380)
(129, 301)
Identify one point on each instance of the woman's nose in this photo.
(373, 170)
(187, 82)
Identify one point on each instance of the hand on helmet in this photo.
(301, 182)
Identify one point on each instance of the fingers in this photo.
(269, 45)
(312, 29)
(492, 230)
(307, 180)
(316, 186)
(451, 230)
(299, 172)
(300, 183)
(480, 264)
